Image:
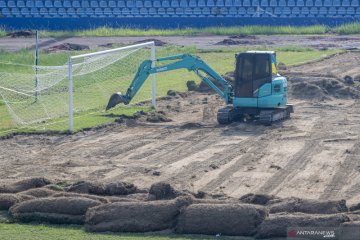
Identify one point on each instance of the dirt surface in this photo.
(319, 42)
(316, 152)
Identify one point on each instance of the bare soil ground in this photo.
(319, 42)
(313, 155)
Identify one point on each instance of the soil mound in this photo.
(24, 185)
(277, 224)
(22, 33)
(227, 219)
(260, 199)
(157, 42)
(309, 206)
(116, 188)
(67, 47)
(53, 210)
(162, 190)
(156, 117)
(135, 216)
(322, 89)
(39, 192)
(7, 200)
(350, 230)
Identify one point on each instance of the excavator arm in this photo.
(183, 61)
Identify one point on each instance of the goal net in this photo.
(46, 94)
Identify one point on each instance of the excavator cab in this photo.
(253, 70)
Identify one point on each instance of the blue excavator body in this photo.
(258, 91)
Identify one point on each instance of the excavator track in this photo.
(267, 117)
(225, 115)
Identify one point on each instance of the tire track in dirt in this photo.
(343, 174)
(298, 161)
(253, 145)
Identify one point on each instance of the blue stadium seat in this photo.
(39, 4)
(224, 11)
(336, 3)
(332, 11)
(206, 11)
(157, 4)
(94, 4)
(116, 11)
(144, 12)
(3, 4)
(295, 11)
(11, 4)
(15, 11)
(341, 11)
(25, 12)
(34, 12)
(6, 12)
(273, 3)
(350, 11)
(139, 4)
(103, 4)
(84, 4)
(269, 10)
(309, 3)
(318, 3)
(130, 3)
(152, 11)
(233, 11)
(165, 4)
(197, 11)
(241, 11)
(170, 11)
(286, 11)
(70, 12)
(20, 4)
(291, 3)
(80, 12)
(121, 4)
(250, 11)
(304, 11)
(179, 11)
(246, 3)
(76, 4)
(264, 3)
(300, 3)
(282, 3)
(255, 3)
(327, 3)
(323, 11)
(67, 4)
(134, 11)
(314, 11)
(161, 11)
(125, 11)
(355, 3)
(345, 3)
(237, 3)
(183, 3)
(187, 11)
(53, 12)
(229, 3)
(89, 11)
(98, 12)
(219, 3)
(147, 4)
(278, 10)
(30, 4)
(112, 4)
(210, 3)
(192, 3)
(202, 3)
(174, 3)
(108, 12)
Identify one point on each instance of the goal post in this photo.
(105, 55)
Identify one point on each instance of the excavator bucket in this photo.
(114, 100)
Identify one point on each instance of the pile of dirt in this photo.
(242, 41)
(156, 117)
(116, 188)
(162, 190)
(24, 185)
(22, 33)
(321, 89)
(309, 206)
(227, 219)
(242, 36)
(260, 199)
(79, 195)
(157, 42)
(135, 216)
(276, 225)
(68, 210)
(67, 47)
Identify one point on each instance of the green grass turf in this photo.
(55, 232)
(222, 60)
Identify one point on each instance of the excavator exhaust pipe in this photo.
(115, 99)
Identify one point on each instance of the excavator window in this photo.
(252, 71)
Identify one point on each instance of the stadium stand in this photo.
(281, 9)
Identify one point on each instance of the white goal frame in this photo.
(70, 93)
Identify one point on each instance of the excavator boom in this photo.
(182, 61)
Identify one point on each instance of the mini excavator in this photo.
(258, 92)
